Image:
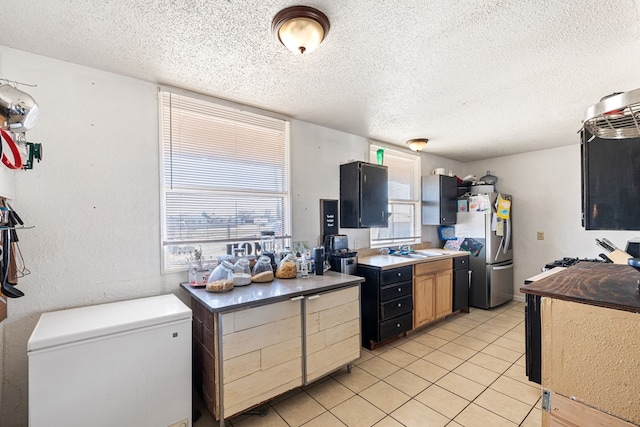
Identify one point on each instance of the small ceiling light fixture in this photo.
(417, 144)
(300, 28)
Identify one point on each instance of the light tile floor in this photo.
(466, 370)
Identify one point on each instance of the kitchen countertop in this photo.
(386, 262)
(257, 294)
(605, 285)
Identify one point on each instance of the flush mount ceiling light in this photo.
(417, 144)
(300, 28)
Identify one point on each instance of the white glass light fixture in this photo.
(300, 28)
(417, 144)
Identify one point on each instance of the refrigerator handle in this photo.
(507, 240)
(504, 267)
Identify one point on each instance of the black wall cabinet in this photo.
(364, 195)
(439, 200)
(610, 183)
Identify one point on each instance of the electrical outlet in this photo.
(356, 244)
(540, 235)
(183, 423)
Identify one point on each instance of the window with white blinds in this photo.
(404, 198)
(225, 178)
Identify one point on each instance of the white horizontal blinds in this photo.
(216, 147)
(225, 173)
(401, 169)
(404, 197)
(401, 177)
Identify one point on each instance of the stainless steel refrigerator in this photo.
(491, 260)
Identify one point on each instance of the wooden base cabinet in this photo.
(262, 354)
(332, 331)
(432, 291)
(424, 288)
(273, 348)
(444, 293)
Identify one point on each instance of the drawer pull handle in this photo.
(298, 298)
(399, 304)
(399, 289)
(397, 325)
(312, 297)
(399, 274)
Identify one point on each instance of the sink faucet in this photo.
(404, 247)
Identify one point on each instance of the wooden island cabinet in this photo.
(256, 342)
(590, 345)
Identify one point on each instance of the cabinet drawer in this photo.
(395, 290)
(395, 275)
(461, 262)
(396, 307)
(433, 266)
(394, 327)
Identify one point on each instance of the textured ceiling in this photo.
(479, 78)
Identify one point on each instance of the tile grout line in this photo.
(466, 360)
(403, 368)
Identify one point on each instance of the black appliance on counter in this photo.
(532, 320)
(336, 247)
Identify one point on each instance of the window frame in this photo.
(415, 201)
(167, 187)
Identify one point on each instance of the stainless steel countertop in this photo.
(257, 294)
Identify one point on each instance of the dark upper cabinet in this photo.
(610, 183)
(439, 200)
(364, 195)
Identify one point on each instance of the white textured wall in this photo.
(94, 200)
(7, 180)
(546, 197)
(316, 155)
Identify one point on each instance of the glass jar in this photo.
(221, 278)
(262, 271)
(198, 273)
(241, 273)
(287, 268)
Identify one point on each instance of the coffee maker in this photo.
(340, 258)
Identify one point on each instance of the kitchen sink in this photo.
(428, 253)
(417, 254)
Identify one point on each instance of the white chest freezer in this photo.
(122, 363)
